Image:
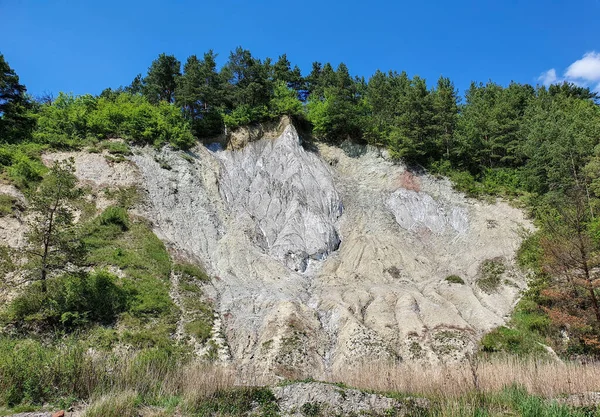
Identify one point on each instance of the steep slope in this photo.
(335, 255)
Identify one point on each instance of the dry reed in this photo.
(548, 379)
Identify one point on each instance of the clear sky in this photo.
(83, 46)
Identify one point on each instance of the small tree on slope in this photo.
(53, 240)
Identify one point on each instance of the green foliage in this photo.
(455, 279)
(7, 204)
(70, 301)
(16, 122)
(285, 101)
(53, 240)
(115, 215)
(161, 81)
(122, 404)
(70, 121)
(311, 409)
(490, 272)
(192, 271)
(116, 147)
(140, 254)
(33, 373)
(200, 329)
(245, 114)
(21, 164)
(237, 402)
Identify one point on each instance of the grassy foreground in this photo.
(155, 382)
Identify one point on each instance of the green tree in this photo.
(559, 136)
(16, 124)
(249, 79)
(52, 238)
(161, 81)
(445, 114)
(282, 71)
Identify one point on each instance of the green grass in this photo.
(115, 147)
(7, 205)
(490, 272)
(122, 404)
(237, 402)
(455, 279)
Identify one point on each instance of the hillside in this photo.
(210, 243)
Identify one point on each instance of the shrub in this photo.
(7, 204)
(454, 279)
(244, 115)
(115, 215)
(119, 404)
(71, 301)
(490, 272)
(191, 270)
(116, 147)
(200, 329)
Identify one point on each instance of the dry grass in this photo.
(548, 379)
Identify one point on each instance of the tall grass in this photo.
(543, 378)
(121, 383)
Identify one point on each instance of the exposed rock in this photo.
(60, 413)
(584, 399)
(330, 257)
(240, 137)
(320, 399)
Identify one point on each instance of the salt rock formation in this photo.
(330, 256)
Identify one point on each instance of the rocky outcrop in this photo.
(331, 256)
(319, 399)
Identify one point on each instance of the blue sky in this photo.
(84, 46)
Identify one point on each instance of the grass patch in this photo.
(191, 270)
(7, 204)
(237, 402)
(115, 147)
(121, 404)
(454, 279)
(490, 272)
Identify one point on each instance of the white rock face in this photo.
(328, 257)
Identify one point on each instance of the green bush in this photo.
(115, 215)
(71, 301)
(245, 115)
(191, 270)
(71, 121)
(237, 402)
(33, 373)
(200, 329)
(116, 148)
(7, 204)
(455, 279)
(490, 272)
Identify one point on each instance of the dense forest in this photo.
(539, 146)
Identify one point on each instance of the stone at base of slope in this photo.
(299, 399)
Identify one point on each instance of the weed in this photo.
(490, 272)
(454, 279)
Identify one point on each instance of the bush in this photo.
(245, 115)
(454, 279)
(71, 301)
(7, 204)
(35, 374)
(121, 404)
(115, 215)
(192, 271)
(490, 272)
(70, 121)
(116, 147)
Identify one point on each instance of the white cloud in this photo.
(548, 77)
(586, 68)
(584, 72)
